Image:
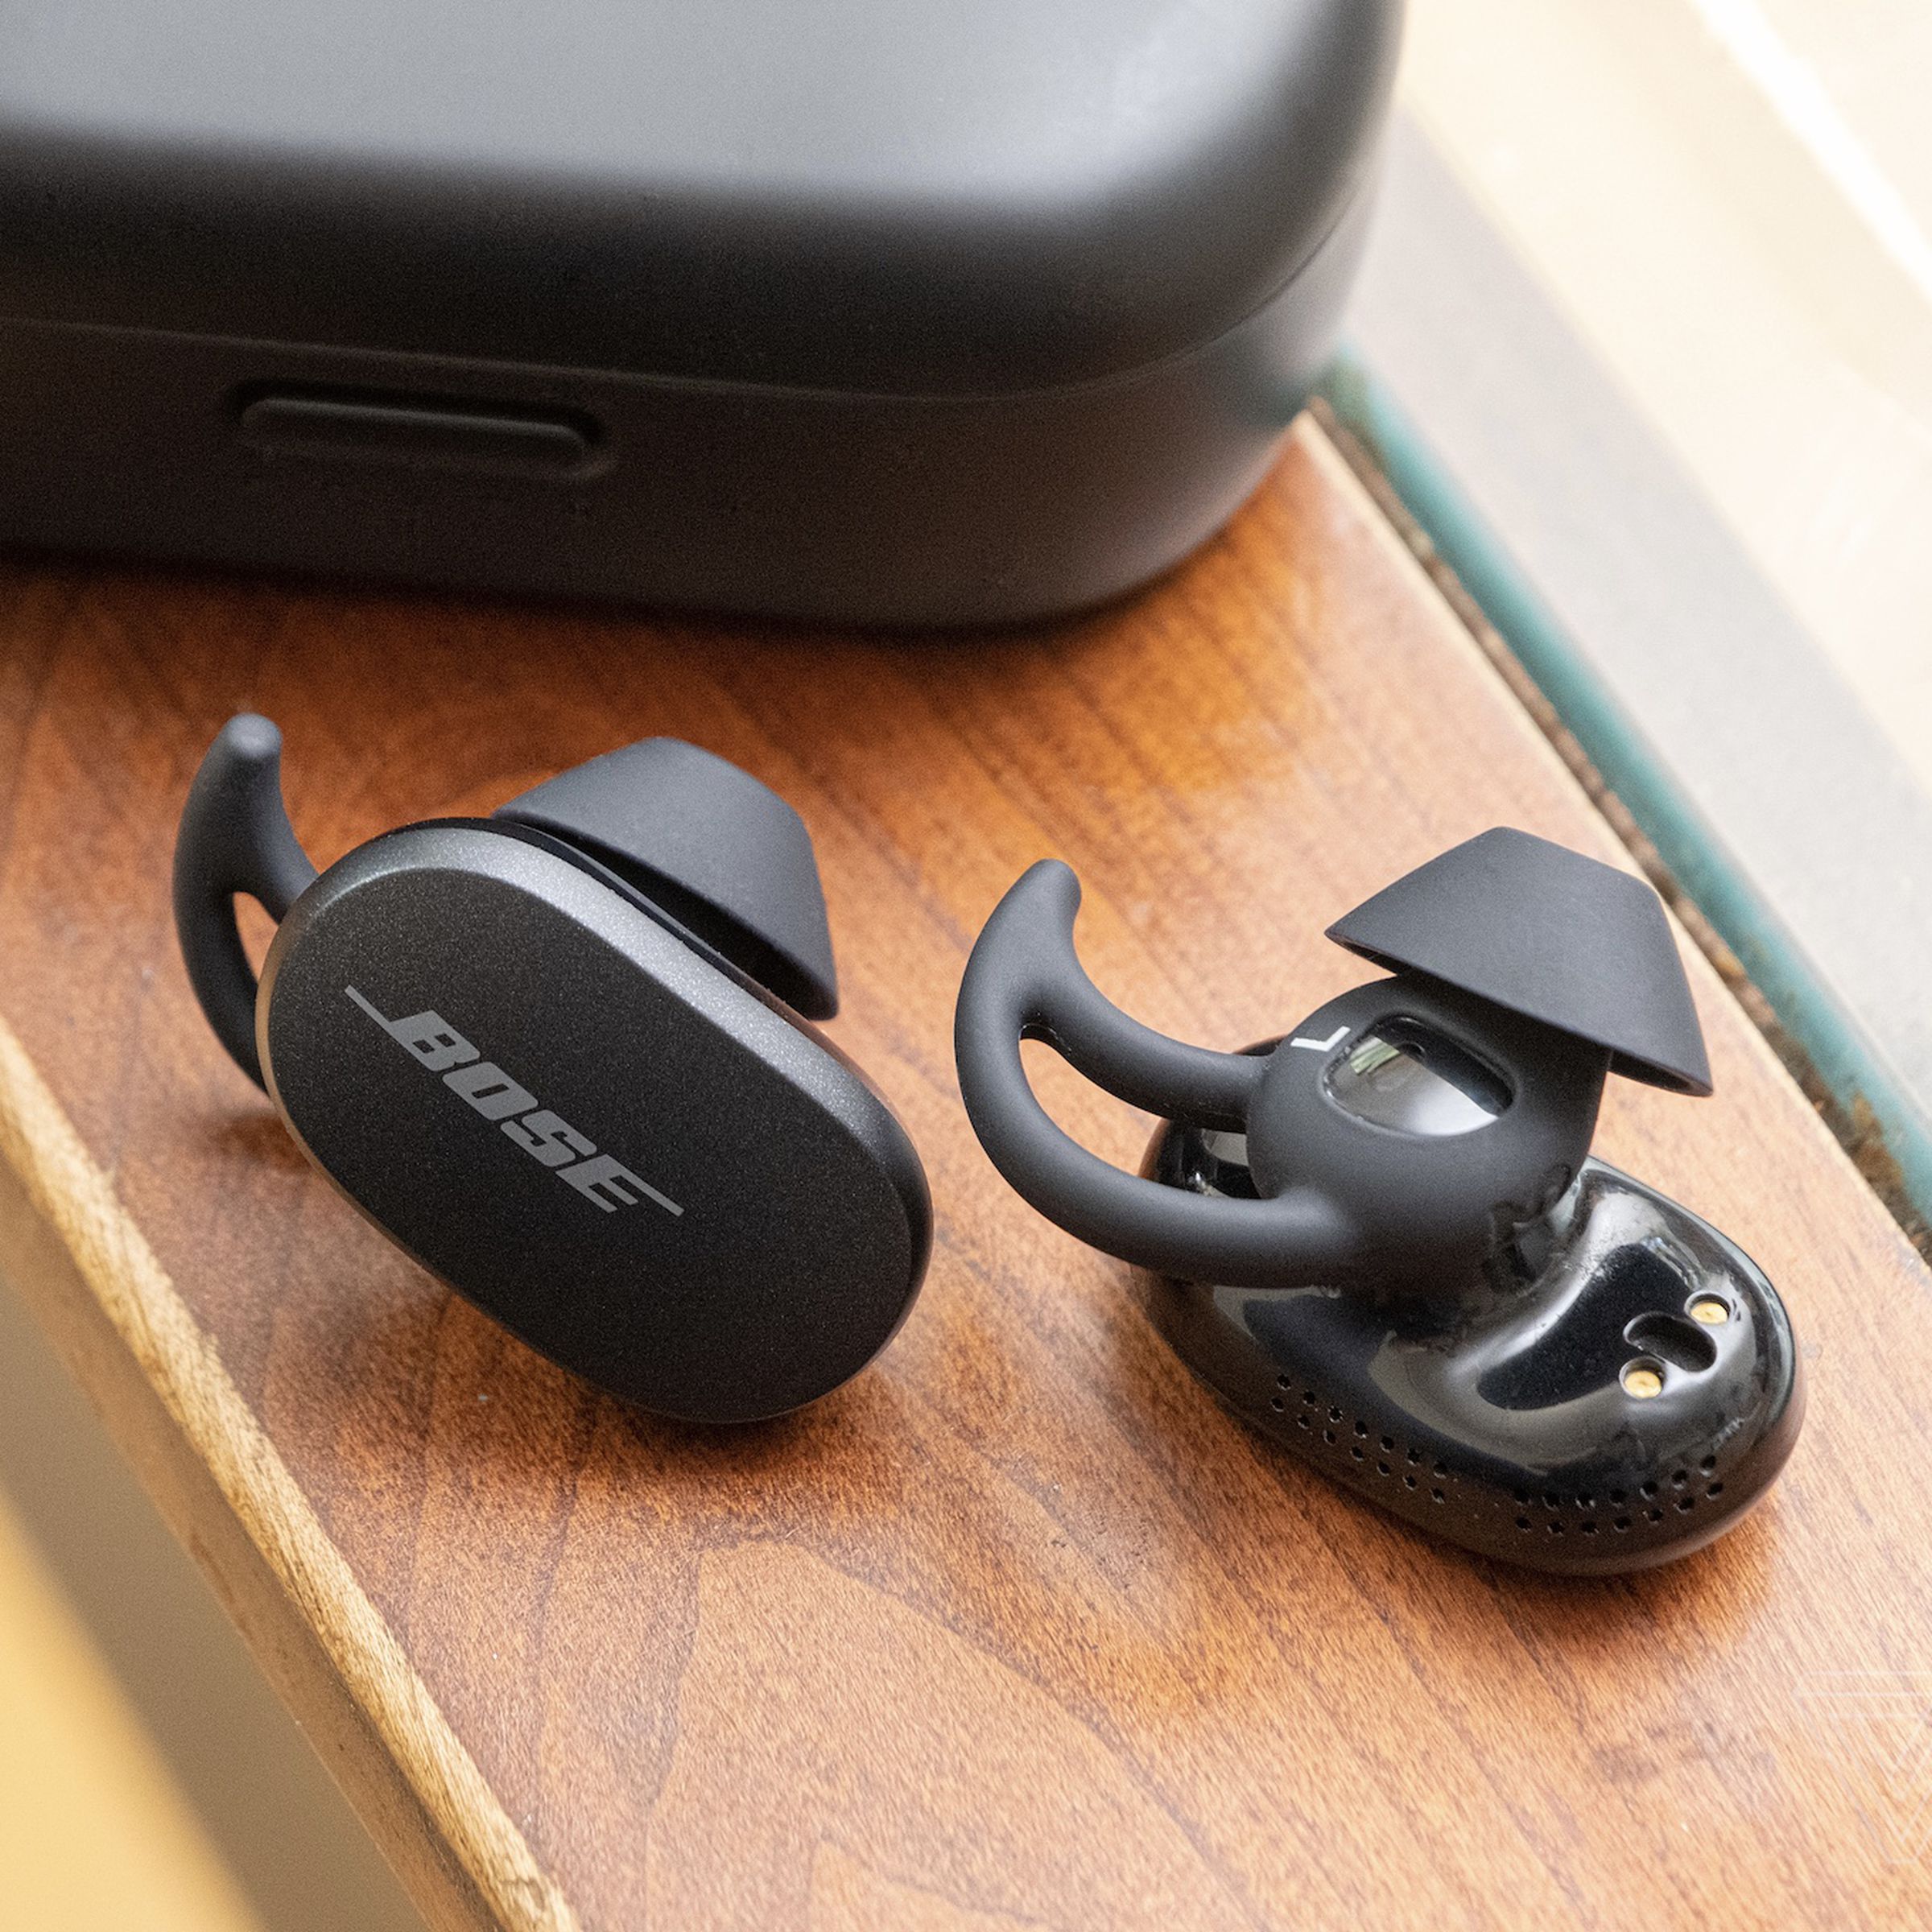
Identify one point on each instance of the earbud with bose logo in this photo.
(1384, 1238)
(562, 1057)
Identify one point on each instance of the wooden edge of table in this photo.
(153, 1373)
(144, 1362)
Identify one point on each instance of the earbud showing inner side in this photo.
(1383, 1238)
(561, 1056)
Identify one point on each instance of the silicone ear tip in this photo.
(721, 853)
(1550, 934)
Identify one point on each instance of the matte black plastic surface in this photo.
(863, 312)
(857, 195)
(762, 1226)
(589, 1111)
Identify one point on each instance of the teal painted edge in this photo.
(1830, 1038)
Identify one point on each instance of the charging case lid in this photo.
(855, 194)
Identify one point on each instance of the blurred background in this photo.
(1645, 345)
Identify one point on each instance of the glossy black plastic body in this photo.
(460, 1020)
(1494, 1413)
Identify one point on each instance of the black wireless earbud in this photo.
(1383, 1238)
(557, 1055)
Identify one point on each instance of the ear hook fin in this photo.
(235, 837)
(1025, 981)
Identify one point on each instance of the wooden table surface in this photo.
(1019, 1629)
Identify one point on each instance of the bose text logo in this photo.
(545, 1137)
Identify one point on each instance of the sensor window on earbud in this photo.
(1411, 1079)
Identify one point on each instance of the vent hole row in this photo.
(1313, 1413)
(1336, 1426)
(1680, 1482)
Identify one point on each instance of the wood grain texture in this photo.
(1018, 1629)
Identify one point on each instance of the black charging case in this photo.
(857, 310)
